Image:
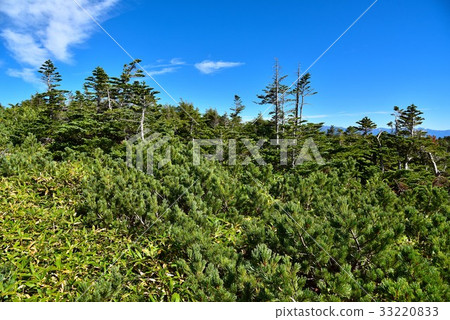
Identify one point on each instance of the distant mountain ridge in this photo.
(437, 133)
(430, 132)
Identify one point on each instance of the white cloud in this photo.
(208, 67)
(162, 71)
(177, 62)
(24, 48)
(42, 29)
(27, 74)
(162, 67)
(161, 63)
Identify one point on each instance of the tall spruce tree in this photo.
(365, 125)
(236, 110)
(122, 88)
(53, 97)
(409, 119)
(396, 124)
(272, 95)
(142, 97)
(301, 91)
(98, 87)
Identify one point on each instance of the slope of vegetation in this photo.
(78, 224)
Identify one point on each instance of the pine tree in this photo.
(301, 91)
(397, 113)
(271, 95)
(121, 87)
(391, 125)
(410, 119)
(366, 125)
(53, 97)
(237, 108)
(100, 85)
(142, 97)
(211, 118)
(407, 143)
(190, 118)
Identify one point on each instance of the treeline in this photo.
(111, 109)
(368, 224)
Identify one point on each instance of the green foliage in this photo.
(366, 125)
(78, 224)
(409, 119)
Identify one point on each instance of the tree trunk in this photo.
(282, 114)
(277, 106)
(379, 152)
(297, 99)
(435, 168)
(142, 124)
(301, 110)
(109, 101)
(407, 160)
(99, 100)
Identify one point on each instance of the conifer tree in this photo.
(53, 97)
(224, 124)
(121, 86)
(396, 124)
(391, 125)
(142, 97)
(410, 119)
(271, 95)
(302, 90)
(100, 85)
(190, 118)
(212, 118)
(237, 108)
(366, 125)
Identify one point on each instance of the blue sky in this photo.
(206, 51)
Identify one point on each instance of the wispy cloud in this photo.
(24, 48)
(161, 63)
(163, 67)
(208, 67)
(41, 29)
(177, 61)
(27, 74)
(162, 71)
